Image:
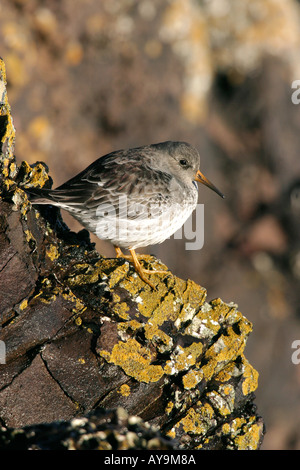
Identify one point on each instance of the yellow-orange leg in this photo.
(141, 271)
(120, 253)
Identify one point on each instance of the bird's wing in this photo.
(119, 184)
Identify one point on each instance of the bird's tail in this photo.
(40, 196)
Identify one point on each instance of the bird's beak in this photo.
(202, 179)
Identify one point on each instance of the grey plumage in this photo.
(132, 198)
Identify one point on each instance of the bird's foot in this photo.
(120, 254)
(134, 258)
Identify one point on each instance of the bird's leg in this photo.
(139, 269)
(120, 254)
(133, 257)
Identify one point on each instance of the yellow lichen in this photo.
(52, 252)
(197, 421)
(206, 323)
(28, 235)
(148, 305)
(46, 299)
(118, 274)
(191, 379)
(230, 345)
(177, 304)
(226, 428)
(20, 200)
(169, 407)
(193, 294)
(183, 358)
(78, 307)
(192, 422)
(23, 304)
(237, 424)
(132, 325)
(124, 390)
(171, 433)
(250, 438)
(85, 274)
(223, 399)
(135, 360)
(250, 376)
(121, 309)
(13, 169)
(225, 374)
(35, 176)
(154, 334)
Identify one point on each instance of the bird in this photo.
(133, 197)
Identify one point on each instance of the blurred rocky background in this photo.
(88, 77)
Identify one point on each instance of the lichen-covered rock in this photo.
(83, 332)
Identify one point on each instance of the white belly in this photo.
(140, 232)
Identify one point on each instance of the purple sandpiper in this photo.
(133, 198)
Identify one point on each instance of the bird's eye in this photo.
(183, 162)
